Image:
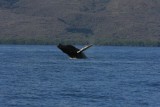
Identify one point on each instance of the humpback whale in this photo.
(73, 52)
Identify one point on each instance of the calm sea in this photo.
(43, 76)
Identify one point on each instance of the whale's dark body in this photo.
(72, 51)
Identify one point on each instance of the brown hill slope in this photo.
(80, 21)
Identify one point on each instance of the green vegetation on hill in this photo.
(51, 41)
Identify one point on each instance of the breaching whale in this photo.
(73, 52)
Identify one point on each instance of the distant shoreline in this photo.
(111, 43)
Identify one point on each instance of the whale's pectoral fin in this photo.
(84, 48)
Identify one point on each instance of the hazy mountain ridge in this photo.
(80, 21)
(7, 3)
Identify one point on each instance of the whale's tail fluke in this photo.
(84, 48)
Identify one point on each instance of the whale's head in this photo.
(60, 46)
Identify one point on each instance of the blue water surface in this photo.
(43, 76)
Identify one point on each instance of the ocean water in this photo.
(43, 76)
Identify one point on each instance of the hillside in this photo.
(106, 22)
